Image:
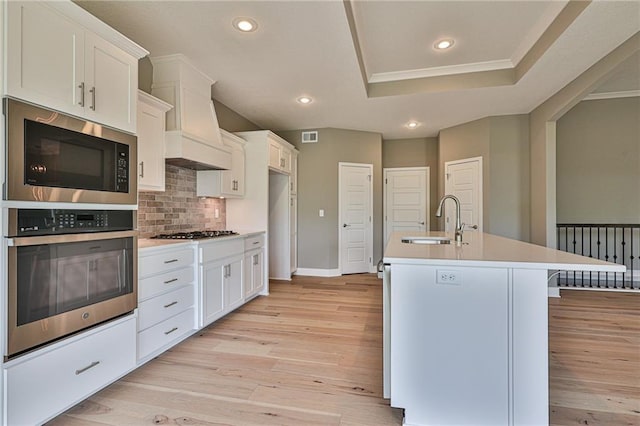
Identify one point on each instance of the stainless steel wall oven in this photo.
(59, 158)
(67, 270)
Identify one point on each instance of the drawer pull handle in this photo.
(170, 261)
(175, 302)
(256, 242)
(171, 331)
(171, 281)
(82, 370)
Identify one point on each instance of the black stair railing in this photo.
(617, 243)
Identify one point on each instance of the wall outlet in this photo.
(216, 213)
(449, 277)
(321, 213)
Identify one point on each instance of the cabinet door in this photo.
(237, 166)
(257, 277)
(150, 148)
(212, 288)
(285, 160)
(112, 85)
(293, 182)
(233, 293)
(274, 155)
(45, 57)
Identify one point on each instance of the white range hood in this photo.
(193, 137)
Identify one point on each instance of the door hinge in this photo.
(369, 178)
(448, 175)
(386, 181)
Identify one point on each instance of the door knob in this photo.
(344, 225)
(421, 223)
(472, 226)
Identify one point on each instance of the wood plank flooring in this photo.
(311, 354)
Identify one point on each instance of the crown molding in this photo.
(612, 95)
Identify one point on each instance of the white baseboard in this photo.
(554, 292)
(312, 272)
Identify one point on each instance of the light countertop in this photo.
(487, 250)
(145, 243)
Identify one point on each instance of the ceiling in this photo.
(371, 65)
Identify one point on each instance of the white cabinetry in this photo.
(267, 200)
(254, 276)
(225, 183)
(221, 270)
(151, 128)
(279, 155)
(61, 57)
(43, 384)
(167, 291)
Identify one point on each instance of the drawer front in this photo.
(164, 333)
(160, 308)
(162, 262)
(254, 242)
(212, 251)
(158, 284)
(48, 384)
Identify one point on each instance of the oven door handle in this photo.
(68, 238)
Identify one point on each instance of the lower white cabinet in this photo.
(167, 295)
(221, 264)
(254, 274)
(41, 385)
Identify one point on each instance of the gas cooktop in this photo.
(195, 235)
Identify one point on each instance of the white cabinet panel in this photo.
(165, 334)
(225, 183)
(159, 308)
(56, 62)
(212, 291)
(158, 284)
(39, 38)
(43, 386)
(151, 130)
(165, 261)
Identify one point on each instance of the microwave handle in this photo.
(68, 238)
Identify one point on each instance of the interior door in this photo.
(406, 200)
(463, 178)
(356, 226)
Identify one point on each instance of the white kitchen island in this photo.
(466, 328)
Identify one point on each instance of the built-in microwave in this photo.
(55, 157)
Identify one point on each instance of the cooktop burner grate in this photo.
(195, 235)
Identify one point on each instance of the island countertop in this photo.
(487, 250)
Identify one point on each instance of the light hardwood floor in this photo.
(311, 354)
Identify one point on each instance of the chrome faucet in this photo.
(459, 224)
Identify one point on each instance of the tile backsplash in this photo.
(178, 209)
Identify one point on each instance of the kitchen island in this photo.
(466, 337)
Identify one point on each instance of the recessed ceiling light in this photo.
(412, 124)
(443, 44)
(245, 25)
(305, 100)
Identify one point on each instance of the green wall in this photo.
(318, 189)
(418, 152)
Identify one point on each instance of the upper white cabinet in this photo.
(225, 183)
(279, 154)
(151, 125)
(61, 57)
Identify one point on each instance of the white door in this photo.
(463, 178)
(406, 200)
(356, 215)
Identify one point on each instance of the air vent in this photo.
(310, 137)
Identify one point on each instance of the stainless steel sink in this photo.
(426, 240)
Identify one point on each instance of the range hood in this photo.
(192, 139)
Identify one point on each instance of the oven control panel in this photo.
(67, 221)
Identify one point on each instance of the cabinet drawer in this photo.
(254, 242)
(158, 309)
(45, 385)
(152, 286)
(161, 262)
(220, 249)
(164, 333)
